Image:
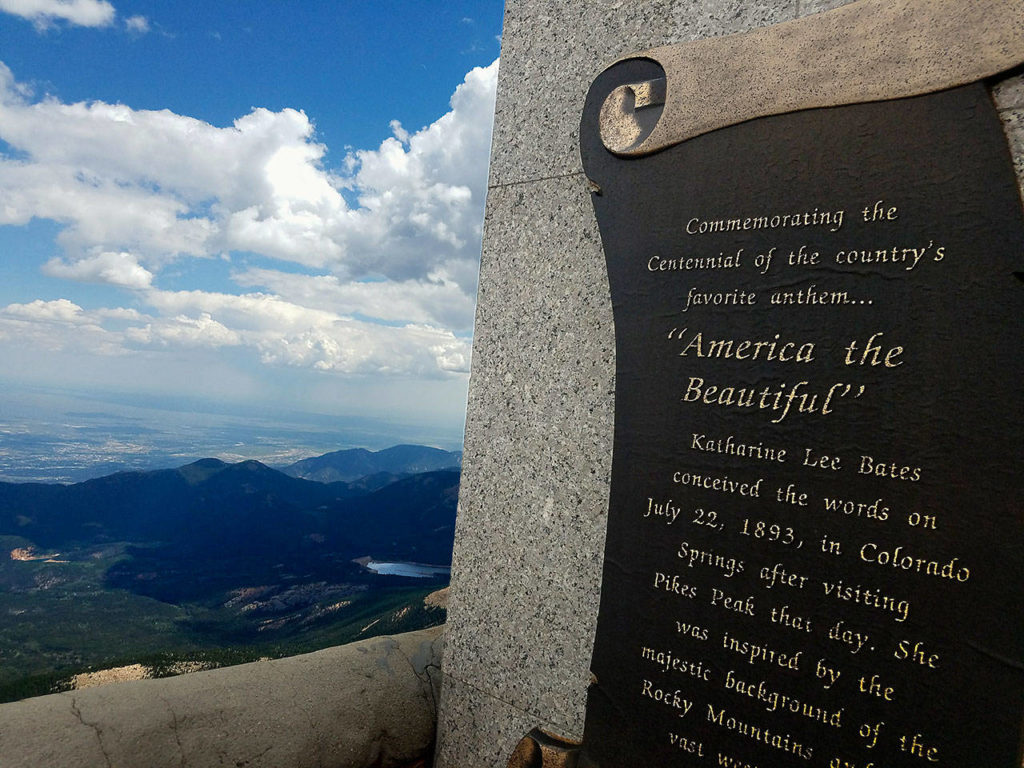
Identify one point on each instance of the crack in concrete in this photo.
(560, 728)
(95, 729)
(424, 679)
(519, 182)
(427, 687)
(436, 649)
(174, 729)
(435, 704)
(248, 760)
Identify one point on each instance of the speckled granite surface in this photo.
(478, 727)
(533, 504)
(552, 50)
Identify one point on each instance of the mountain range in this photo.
(207, 524)
(236, 560)
(376, 466)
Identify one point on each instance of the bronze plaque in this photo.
(814, 541)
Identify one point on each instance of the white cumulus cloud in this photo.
(438, 299)
(279, 332)
(83, 13)
(384, 285)
(60, 326)
(104, 267)
(426, 188)
(39, 311)
(182, 330)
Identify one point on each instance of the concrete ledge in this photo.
(371, 703)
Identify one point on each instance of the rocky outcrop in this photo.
(371, 704)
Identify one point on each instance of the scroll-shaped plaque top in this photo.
(865, 51)
(814, 544)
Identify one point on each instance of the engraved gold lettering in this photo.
(874, 687)
(757, 653)
(816, 218)
(721, 261)
(668, 661)
(748, 349)
(674, 584)
(778, 575)
(731, 446)
(693, 556)
(686, 744)
(914, 746)
(672, 699)
(733, 298)
(783, 742)
(915, 654)
(871, 466)
(898, 558)
(774, 701)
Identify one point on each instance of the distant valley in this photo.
(214, 562)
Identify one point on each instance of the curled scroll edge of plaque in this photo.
(844, 56)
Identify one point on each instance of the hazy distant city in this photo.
(98, 436)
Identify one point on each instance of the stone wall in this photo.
(371, 704)
(533, 502)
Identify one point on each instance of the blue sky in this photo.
(245, 202)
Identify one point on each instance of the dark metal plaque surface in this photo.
(814, 539)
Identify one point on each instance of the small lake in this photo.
(410, 570)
